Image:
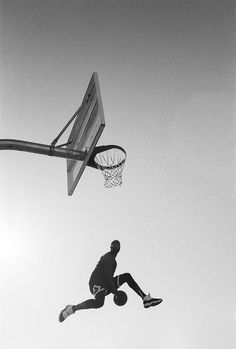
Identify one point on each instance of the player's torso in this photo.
(107, 261)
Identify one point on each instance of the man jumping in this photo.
(102, 282)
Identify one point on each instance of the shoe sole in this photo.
(61, 317)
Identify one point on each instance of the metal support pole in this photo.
(14, 144)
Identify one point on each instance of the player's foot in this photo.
(68, 310)
(149, 301)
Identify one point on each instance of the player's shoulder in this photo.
(107, 257)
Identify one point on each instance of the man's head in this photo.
(115, 246)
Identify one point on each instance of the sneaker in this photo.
(148, 301)
(68, 310)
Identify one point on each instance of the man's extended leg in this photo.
(148, 301)
(88, 304)
(96, 303)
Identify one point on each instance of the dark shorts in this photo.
(97, 286)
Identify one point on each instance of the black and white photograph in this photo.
(118, 174)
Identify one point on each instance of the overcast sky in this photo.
(167, 76)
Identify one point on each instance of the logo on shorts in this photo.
(97, 289)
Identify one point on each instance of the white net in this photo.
(111, 163)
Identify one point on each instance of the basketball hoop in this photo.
(110, 160)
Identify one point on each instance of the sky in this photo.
(167, 75)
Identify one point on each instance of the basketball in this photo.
(120, 298)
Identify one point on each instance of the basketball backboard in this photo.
(86, 131)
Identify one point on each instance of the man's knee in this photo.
(98, 305)
(127, 277)
(99, 302)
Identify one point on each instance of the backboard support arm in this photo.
(69, 122)
(50, 150)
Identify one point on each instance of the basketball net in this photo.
(111, 163)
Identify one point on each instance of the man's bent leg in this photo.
(148, 301)
(127, 278)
